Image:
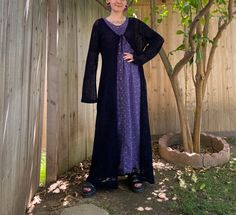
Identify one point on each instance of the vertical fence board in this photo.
(75, 121)
(22, 74)
(52, 95)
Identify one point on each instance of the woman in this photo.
(122, 143)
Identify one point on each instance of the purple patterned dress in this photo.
(128, 104)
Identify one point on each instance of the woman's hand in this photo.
(128, 57)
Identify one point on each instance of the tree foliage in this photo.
(195, 19)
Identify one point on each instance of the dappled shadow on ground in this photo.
(157, 199)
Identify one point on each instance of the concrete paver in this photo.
(84, 209)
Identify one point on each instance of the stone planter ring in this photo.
(220, 156)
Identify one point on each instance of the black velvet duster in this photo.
(146, 43)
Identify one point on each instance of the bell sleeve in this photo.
(154, 40)
(89, 89)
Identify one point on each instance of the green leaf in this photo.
(186, 8)
(185, 20)
(198, 56)
(159, 20)
(179, 32)
(182, 183)
(194, 178)
(211, 41)
(220, 1)
(194, 3)
(191, 61)
(146, 20)
(181, 47)
(202, 186)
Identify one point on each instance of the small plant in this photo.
(43, 169)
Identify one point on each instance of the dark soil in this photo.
(204, 149)
(157, 199)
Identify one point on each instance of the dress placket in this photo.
(128, 104)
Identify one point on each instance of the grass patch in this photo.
(231, 140)
(213, 192)
(207, 192)
(43, 169)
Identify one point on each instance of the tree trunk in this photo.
(184, 125)
(200, 76)
(198, 118)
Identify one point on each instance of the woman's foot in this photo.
(88, 189)
(108, 183)
(136, 185)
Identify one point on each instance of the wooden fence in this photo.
(219, 114)
(70, 123)
(28, 54)
(22, 73)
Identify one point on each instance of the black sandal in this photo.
(133, 179)
(108, 183)
(88, 193)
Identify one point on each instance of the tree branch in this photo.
(205, 33)
(166, 62)
(218, 36)
(193, 76)
(230, 11)
(215, 42)
(162, 52)
(200, 69)
(189, 54)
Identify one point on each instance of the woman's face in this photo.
(117, 5)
